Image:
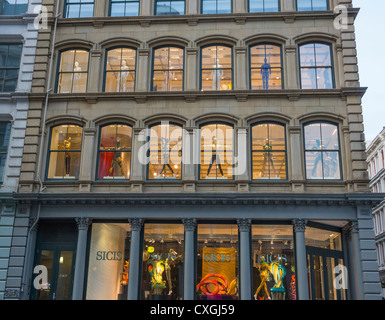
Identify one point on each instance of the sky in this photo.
(370, 39)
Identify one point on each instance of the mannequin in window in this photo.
(166, 154)
(266, 73)
(312, 76)
(318, 158)
(267, 157)
(117, 161)
(215, 158)
(217, 75)
(167, 81)
(122, 77)
(77, 73)
(67, 158)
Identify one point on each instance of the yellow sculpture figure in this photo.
(279, 272)
(263, 272)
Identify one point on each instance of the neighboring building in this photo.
(271, 85)
(18, 38)
(376, 167)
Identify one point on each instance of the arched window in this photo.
(216, 73)
(312, 5)
(78, 8)
(268, 147)
(120, 70)
(266, 67)
(264, 5)
(169, 7)
(168, 72)
(73, 71)
(322, 151)
(115, 145)
(165, 152)
(216, 6)
(64, 152)
(217, 151)
(124, 8)
(316, 66)
(5, 131)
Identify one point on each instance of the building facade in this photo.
(376, 168)
(197, 150)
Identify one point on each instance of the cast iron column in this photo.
(300, 263)
(133, 280)
(356, 260)
(245, 262)
(189, 259)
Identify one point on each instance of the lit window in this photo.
(115, 152)
(268, 151)
(73, 71)
(168, 69)
(264, 6)
(266, 67)
(78, 8)
(216, 71)
(13, 7)
(312, 5)
(322, 151)
(64, 152)
(216, 6)
(5, 130)
(124, 8)
(173, 7)
(316, 66)
(120, 70)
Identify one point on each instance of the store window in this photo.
(73, 71)
(264, 5)
(322, 151)
(269, 151)
(216, 6)
(120, 70)
(168, 65)
(169, 7)
(10, 55)
(115, 152)
(266, 67)
(217, 151)
(109, 261)
(312, 5)
(165, 151)
(323, 238)
(13, 7)
(78, 8)
(216, 73)
(64, 152)
(316, 67)
(124, 8)
(217, 262)
(273, 262)
(5, 131)
(163, 251)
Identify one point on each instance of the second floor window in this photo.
(171, 7)
(13, 7)
(264, 6)
(10, 55)
(312, 5)
(78, 8)
(124, 8)
(216, 6)
(5, 130)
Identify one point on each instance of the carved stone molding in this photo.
(136, 224)
(189, 224)
(299, 225)
(244, 225)
(83, 223)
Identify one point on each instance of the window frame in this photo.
(312, 7)
(159, 15)
(110, 2)
(80, 3)
(5, 151)
(216, 6)
(264, 11)
(5, 68)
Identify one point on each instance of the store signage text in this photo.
(109, 255)
(269, 258)
(217, 257)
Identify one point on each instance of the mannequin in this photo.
(215, 158)
(67, 159)
(217, 75)
(122, 77)
(166, 154)
(266, 73)
(267, 157)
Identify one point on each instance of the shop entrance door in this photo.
(323, 266)
(59, 262)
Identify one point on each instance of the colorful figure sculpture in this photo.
(279, 273)
(266, 73)
(263, 273)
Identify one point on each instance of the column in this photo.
(300, 263)
(139, 159)
(100, 8)
(356, 261)
(291, 67)
(297, 176)
(85, 173)
(135, 259)
(239, 6)
(94, 75)
(348, 260)
(142, 74)
(245, 259)
(188, 164)
(189, 259)
(191, 69)
(192, 7)
(241, 164)
(80, 262)
(288, 5)
(145, 7)
(240, 67)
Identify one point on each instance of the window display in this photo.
(269, 151)
(10, 55)
(216, 6)
(78, 8)
(321, 238)
(169, 7)
(115, 152)
(124, 8)
(264, 6)
(163, 249)
(64, 152)
(120, 70)
(217, 262)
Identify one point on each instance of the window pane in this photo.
(314, 167)
(263, 6)
(79, 8)
(308, 78)
(331, 164)
(320, 238)
(322, 55)
(320, 5)
(330, 140)
(304, 5)
(224, 6)
(117, 9)
(313, 136)
(209, 6)
(324, 78)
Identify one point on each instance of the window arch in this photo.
(264, 6)
(124, 8)
(322, 151)
(266, 71)
(268, 149)
(78, 8)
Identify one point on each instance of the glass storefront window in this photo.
(325, 239)
(269, 151)
(169, 7)
(312, 5)
(264, 6)
(217, 262)
(216, 73)
(273, 262)
(65, 152)
(163, 251)
(78, 8)
(266, 67)
(216, 6)
(165, 152)
(109, 262)
(124, 8)
(217, 151)
(120, 70)
(115, 152)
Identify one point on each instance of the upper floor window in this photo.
(5, 131)
(216, 6)
(168, 65)
(268, 142)
(312, 5)
(64, 152)
(165, 151)
(78, 8)
(217, 151)
(322, 151)
(170, 7)
(13, 7)
(10, 55)
(316, 66)
(120, 70)
(124, 8)
(73, 71)
(264, 6)
(115, 152)
(266, 67)
(216, 73)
